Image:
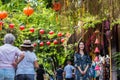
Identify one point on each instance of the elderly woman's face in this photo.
(81, 45)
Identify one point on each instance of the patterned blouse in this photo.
(82, 61)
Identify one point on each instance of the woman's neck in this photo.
(81, 52)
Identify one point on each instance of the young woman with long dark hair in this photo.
(82, 62)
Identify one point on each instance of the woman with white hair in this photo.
(8, 58)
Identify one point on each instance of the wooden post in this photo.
(110, 54)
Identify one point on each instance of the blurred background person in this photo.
(69, 71)
(40, 73)
(59, 73)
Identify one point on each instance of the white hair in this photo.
(9, 38)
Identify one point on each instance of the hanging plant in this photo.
(90, 21)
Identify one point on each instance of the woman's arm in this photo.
(20, 58)
(89, 62)
(86, 68)
(36, 65)
(79, 68)
(76, 61)
(17, 60)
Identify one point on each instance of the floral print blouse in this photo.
(82, 61)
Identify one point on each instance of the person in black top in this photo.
(59, 73)
(40, 73)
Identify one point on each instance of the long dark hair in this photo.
(85, 52)
(41, 66)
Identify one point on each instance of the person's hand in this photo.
(73, 74)
(14, 64)
(82, 72)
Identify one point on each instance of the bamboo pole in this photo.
(110, 52)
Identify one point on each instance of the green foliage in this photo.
(115, 22)
(90, 21)
(42, 18)
(116, 58)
